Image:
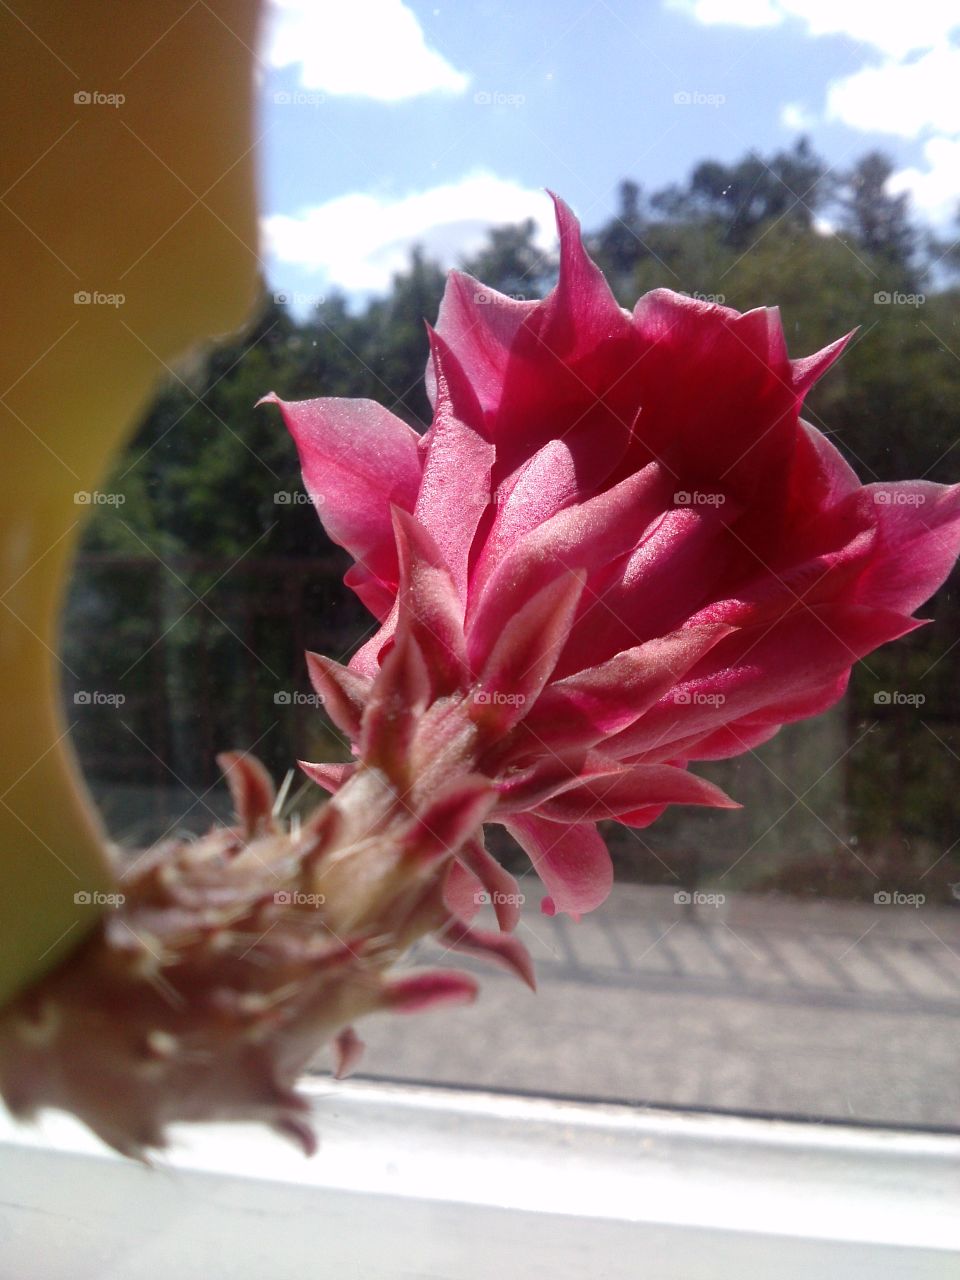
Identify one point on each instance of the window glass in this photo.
(800, 956)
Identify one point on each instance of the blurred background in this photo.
(802, 955)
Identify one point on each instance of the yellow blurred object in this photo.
(127, 172)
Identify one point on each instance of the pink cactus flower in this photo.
(620, 547)
(617, 550)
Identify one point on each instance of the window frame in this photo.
(427, 1183)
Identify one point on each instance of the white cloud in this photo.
(738, 13)
(795, 116)
(911, 99)
(910, 91)
(935, 190)
(894, 28)
(903, 98)
(358, 241)
(374, 49)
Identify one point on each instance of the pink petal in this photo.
(453, 816)
(644, 816)
(632, 788)
(719, 404)
(573, 862)
(348, 1048)
(502, 948)
(251, 790)
(428, 991)
(400, 695)
(375, 595)
(455, 489)
(582, 709)
(809, 369)
(585, 536)
(752, 731)
(731, 740)
(545, 773)
(463, 892)
(817, 564)
(499, 885)
(582, 312)
(820, 475)
(430, 605)
(918, 539)
(431, 602)
(757, 670)
(368, 659)
(672, 571)
(357, 459)
(344, 692)
(329, 776)
(523, 656)
(479, 326)
(560, 361)
(545, 484)
(564, 471)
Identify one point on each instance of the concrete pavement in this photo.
(836, 1010)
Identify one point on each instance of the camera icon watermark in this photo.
(299, 98)
(94, 98)
(694, 898)
(716, 299)
(484, 899)
(294, 698)
(694, 98)
(896, 698)
(497, 98)
(894, 898)
(894, 496)
(95, 898)
(496, 698)
(696, 698)
(297, 498)
(295, 898)
(97, 298)
(893, 298)
(293, 298)
(698, 498)
(95, 498)
(490, 298)
(98, 698)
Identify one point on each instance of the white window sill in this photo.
(422, 1184)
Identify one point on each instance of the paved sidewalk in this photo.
(837, 1010)
(832, 1009)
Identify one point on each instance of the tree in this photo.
(392, 340)
(876, 221)
(511, 262)
(739, 199)
(619, 246)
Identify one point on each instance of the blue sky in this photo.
(389, 122)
